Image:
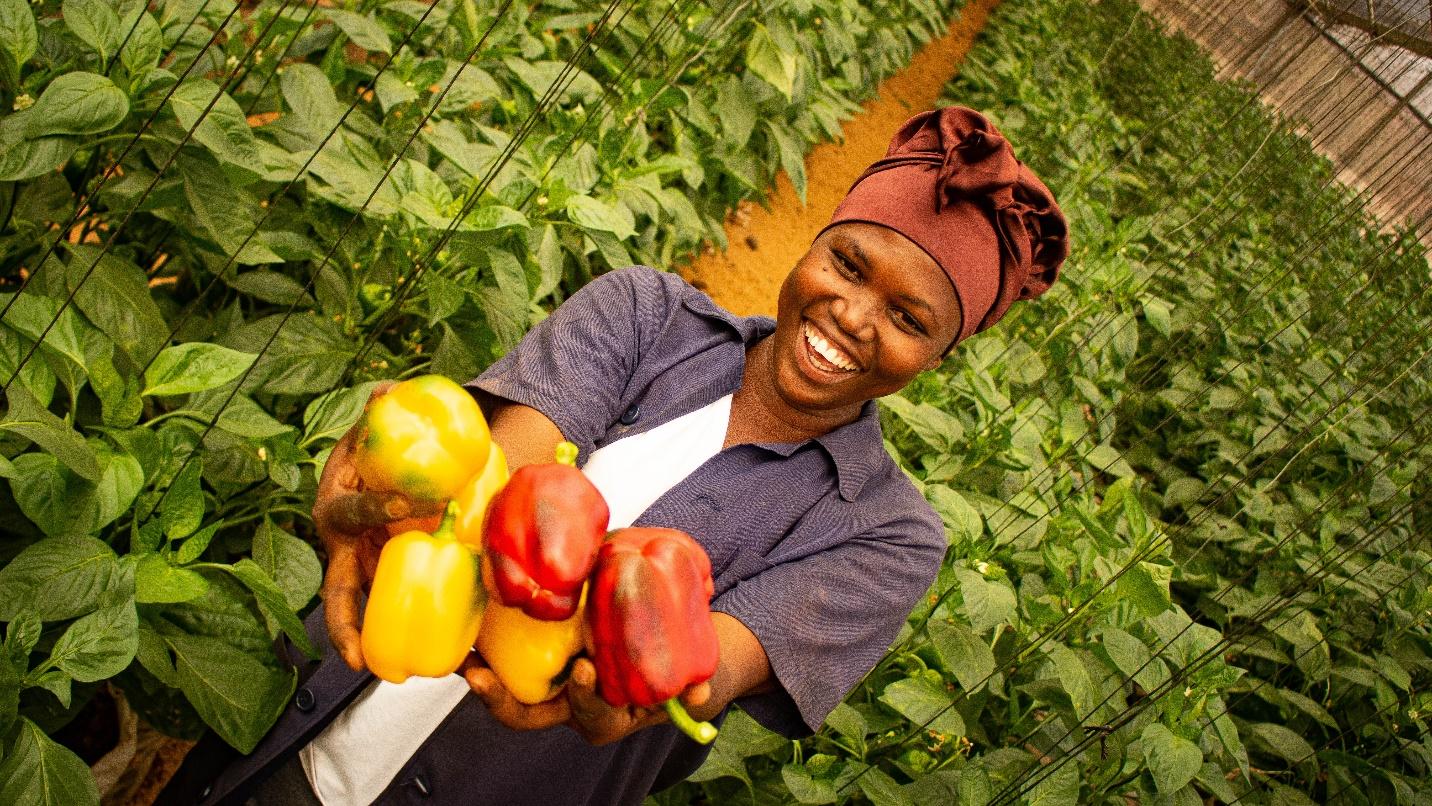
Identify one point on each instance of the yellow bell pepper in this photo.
(472, 499)
(530, 656)
(425, 438)
(425, 606)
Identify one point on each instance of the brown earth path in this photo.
(765, 242)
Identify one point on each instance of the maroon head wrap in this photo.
(950, 183)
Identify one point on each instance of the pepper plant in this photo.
(1185, 491)
(221, 223)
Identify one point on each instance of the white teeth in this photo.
(828, 351)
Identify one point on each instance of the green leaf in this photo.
(222, 129)
(145, 45)
(271, 286)
(31, 420)
(365, 32)
(273, 604)
(1156, 313)
(737, 112)
(962, 652)
(766, 59)
(848, 722)
(924, 702)
(183, 507)
(1282, 742)
(26, 159)
(1057, 788)
(237, 696)
(805, 787)
(99, 645)
(10, 684)
(290, 562)
(330, 415)
(57, 683)
(42, 772)
(21, 636)
(881, 789)
(1146, 585)
(193, 546)
(17, 32)
(114, 294)
(1073, 677)
(961, 519)
(61, 503)
(311, 98)
(194, 367)
(937, 428)
(1132, 657)
(77, 103)
(59, 578)
(592, 214)
(226, 213)
(986, 603)
(1173, 760)
(95, 23)
(490, 217)
(792, 154)
(158, 582)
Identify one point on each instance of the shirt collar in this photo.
(857, 449)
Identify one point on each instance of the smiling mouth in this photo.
(824, 355)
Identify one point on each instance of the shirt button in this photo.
(420, 783)
(631, 415)
(208, 790)
(304, 700)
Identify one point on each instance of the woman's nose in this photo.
(854, 314)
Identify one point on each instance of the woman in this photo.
(758, 437)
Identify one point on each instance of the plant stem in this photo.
(703, 732)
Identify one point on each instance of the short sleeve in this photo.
(825, 620)
(575, 365)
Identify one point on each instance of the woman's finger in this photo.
(697, 695)
(507, 709)
(341, 591)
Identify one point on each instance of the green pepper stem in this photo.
(703, 732)
(445, 529)
(566, 454)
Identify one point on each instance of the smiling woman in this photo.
(758, 437)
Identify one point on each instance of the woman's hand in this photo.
(508, 709)
(600, 723)
(350, 521)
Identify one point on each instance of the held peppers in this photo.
(425, 606)
(531, 657)
(650, 618)
(541, 536)
(425, 438)
(473, 499)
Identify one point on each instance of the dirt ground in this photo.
(765, 242)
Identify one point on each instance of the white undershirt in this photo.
(353, 760)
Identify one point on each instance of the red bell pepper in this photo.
(650, 618)
(542, 533)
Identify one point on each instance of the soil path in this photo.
(766, 242)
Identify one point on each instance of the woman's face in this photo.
(859, 316)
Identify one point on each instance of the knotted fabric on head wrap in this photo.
(951, 184)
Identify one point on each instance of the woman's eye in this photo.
(845, 266)
(908, 320)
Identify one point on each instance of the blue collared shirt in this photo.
(820, 547)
